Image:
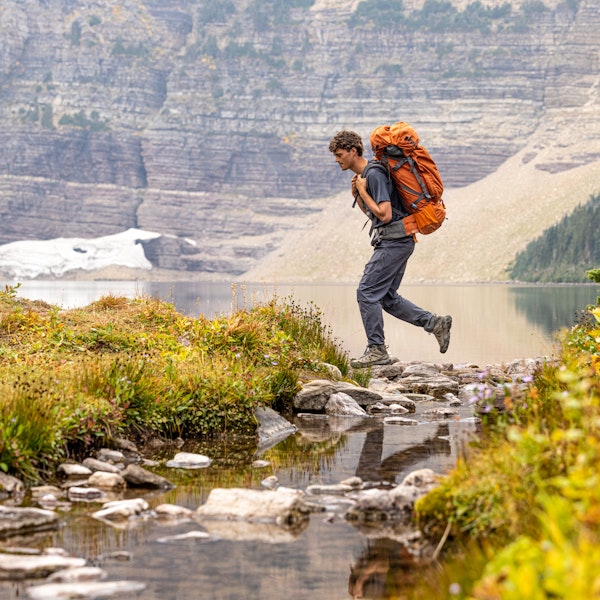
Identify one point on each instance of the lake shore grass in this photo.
(74, 379)
(520, 513)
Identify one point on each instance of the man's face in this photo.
(344, 158)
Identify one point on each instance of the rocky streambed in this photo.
(409, 413)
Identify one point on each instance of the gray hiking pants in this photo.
(377, 290)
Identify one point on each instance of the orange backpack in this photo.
(414, 174)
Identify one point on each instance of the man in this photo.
(375, 195)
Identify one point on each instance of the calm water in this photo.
(492, 323)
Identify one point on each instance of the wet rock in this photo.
(272, 427)
(16, 566)
(189, 460)
(413, 486)
(452, 399)
(104, 480)
(342, 405)
(314, 395)
(73, 470)
(392, 371)
(10, 484)
(270, 483)
(19, 520)
(44, 490)
(94, 465)
(121, 509)
(282, 506)
(423, 369)
(84, 493)
(362, 396)
(441, 412)
(110, 456)
(74, 574)
(337, 489)
(202, 536)
(136, 476)
(436, 386)
(95, 589)
(124, 445)
(173, 511)
(405, 400)
(371, 505)
(354, 482)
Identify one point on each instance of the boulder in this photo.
(20, 520)
(281, 506)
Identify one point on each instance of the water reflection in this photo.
(554, 310)
(386, 569)
(373, 467)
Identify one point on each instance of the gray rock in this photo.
(136, 476)
(20, 520)
(110, 456)
(75, 574)
(94, 464)
(343, 405)
(371, 505)
(104, 480)
(173, 511)
(18, 566)
(362, 396)
(73, 470)
(86, 589)
(189, 460)
(335, 489)
(272, 427)
(121, 509)
(281, 506)
(314, 395)
(84, 493)
(10, 484)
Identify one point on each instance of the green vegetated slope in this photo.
(565, 251)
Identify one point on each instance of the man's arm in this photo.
(383, 210)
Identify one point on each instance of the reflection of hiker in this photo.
(373, 467)
(382, 275)
(384, 570)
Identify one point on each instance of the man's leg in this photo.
(403, 309)
(377, 277)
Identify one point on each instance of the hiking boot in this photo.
(374, 355)
(441, 330)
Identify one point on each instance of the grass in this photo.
(523, 505)
(73, 379)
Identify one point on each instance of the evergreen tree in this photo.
(565, 251)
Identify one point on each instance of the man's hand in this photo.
(360, 182)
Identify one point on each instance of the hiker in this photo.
(377, 290)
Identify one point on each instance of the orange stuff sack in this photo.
(415, 176)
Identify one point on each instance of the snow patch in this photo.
(30, 259)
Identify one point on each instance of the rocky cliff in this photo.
(209, 122)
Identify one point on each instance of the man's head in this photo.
(348, 150)
(346, 140)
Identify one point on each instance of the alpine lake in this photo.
(328, 557)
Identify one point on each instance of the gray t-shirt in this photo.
(381, 188)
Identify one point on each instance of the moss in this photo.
(140, 367)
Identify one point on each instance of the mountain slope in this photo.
(488, 223)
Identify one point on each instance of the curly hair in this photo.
(346, 140)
